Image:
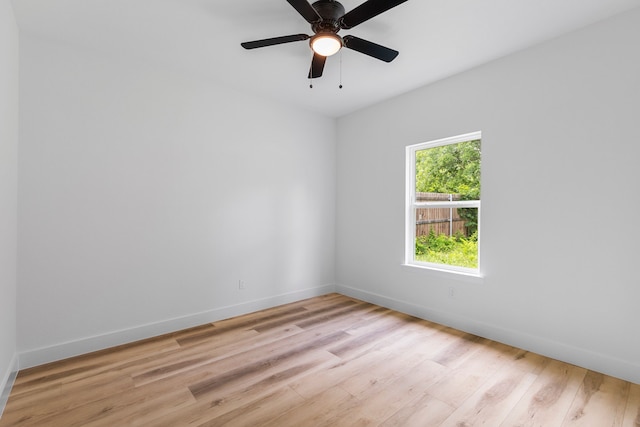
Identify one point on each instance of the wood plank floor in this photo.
(325, 361)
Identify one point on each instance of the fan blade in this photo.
(306, 10)
(369, 48)
(274, 41)
(317, 66)
(366, 11)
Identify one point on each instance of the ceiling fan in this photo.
(327, 18)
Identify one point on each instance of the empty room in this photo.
(298, 213)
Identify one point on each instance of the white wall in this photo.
(144, 197)
(9, 61)
(560, 240)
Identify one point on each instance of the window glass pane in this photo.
(447, 236)
(449, 169)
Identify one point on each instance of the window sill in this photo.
(464, 276)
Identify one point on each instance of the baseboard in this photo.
(577, 356)
(7, 383)
(65, 350)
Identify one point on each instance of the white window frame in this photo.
(412, 206)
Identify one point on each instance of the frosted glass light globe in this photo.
(326, 44)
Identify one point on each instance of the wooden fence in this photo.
(440, 220)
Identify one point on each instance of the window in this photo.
(443, 204)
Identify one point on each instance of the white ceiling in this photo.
(436, 39)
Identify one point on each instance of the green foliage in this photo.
(452, 169)
(470, 217)
(441, 249)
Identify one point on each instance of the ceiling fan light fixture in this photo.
(326, 44)
(327, 18)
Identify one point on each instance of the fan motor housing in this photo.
(331, 12)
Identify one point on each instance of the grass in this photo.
(458, 251)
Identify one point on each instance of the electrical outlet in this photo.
(241, 285)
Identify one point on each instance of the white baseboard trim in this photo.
(65, 350)
(7, 382)
(577, 356)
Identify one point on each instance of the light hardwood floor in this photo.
(325, 361)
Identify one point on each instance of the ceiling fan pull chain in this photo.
(311, 78)
(340, 85)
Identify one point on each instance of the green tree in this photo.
(452, 169)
